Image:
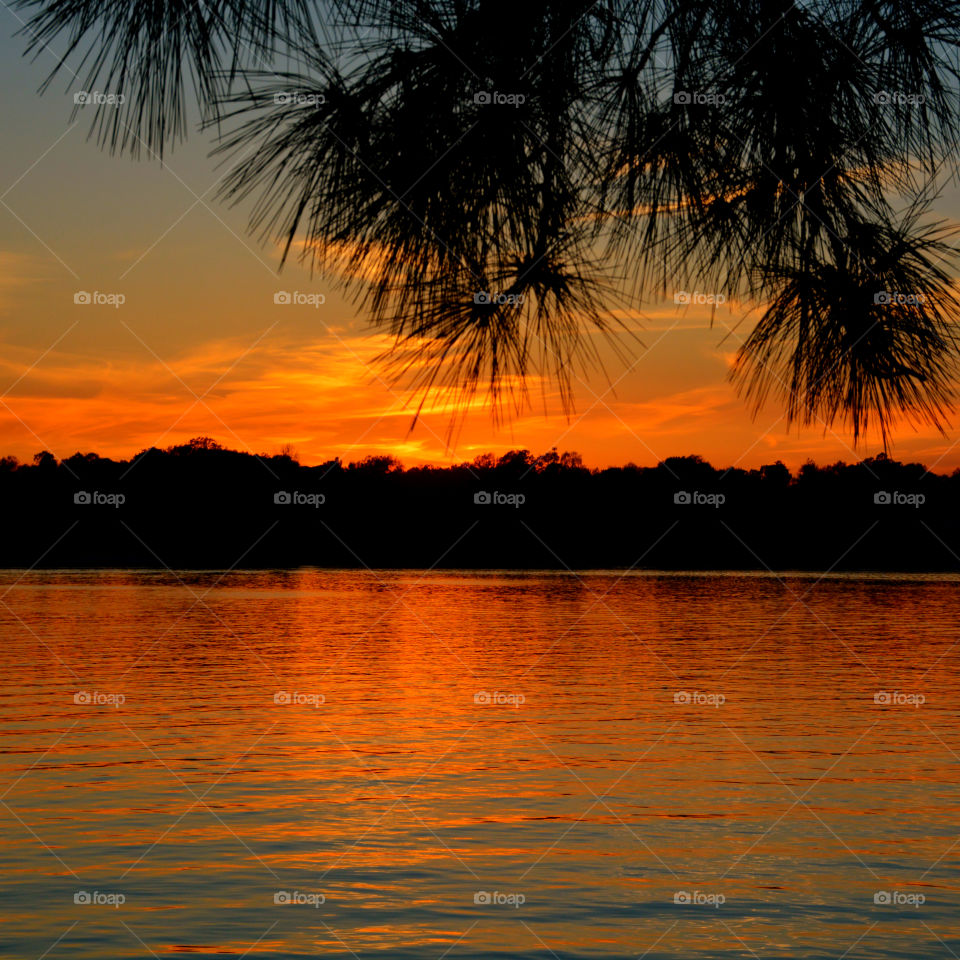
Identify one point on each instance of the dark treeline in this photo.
(201, 506)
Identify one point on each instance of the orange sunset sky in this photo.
(200, 348)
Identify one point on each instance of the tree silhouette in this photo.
(198, 505)
(491, 181)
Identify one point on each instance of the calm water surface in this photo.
(410, 765)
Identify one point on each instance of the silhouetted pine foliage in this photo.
(784, 153)
(199, 506)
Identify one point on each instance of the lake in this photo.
(423, 765)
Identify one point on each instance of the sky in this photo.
(198, 347)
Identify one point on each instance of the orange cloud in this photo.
(327, 397)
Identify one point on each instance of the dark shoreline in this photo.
(890, 576)
(202, 507)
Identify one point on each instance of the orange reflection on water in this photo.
(401, 744)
